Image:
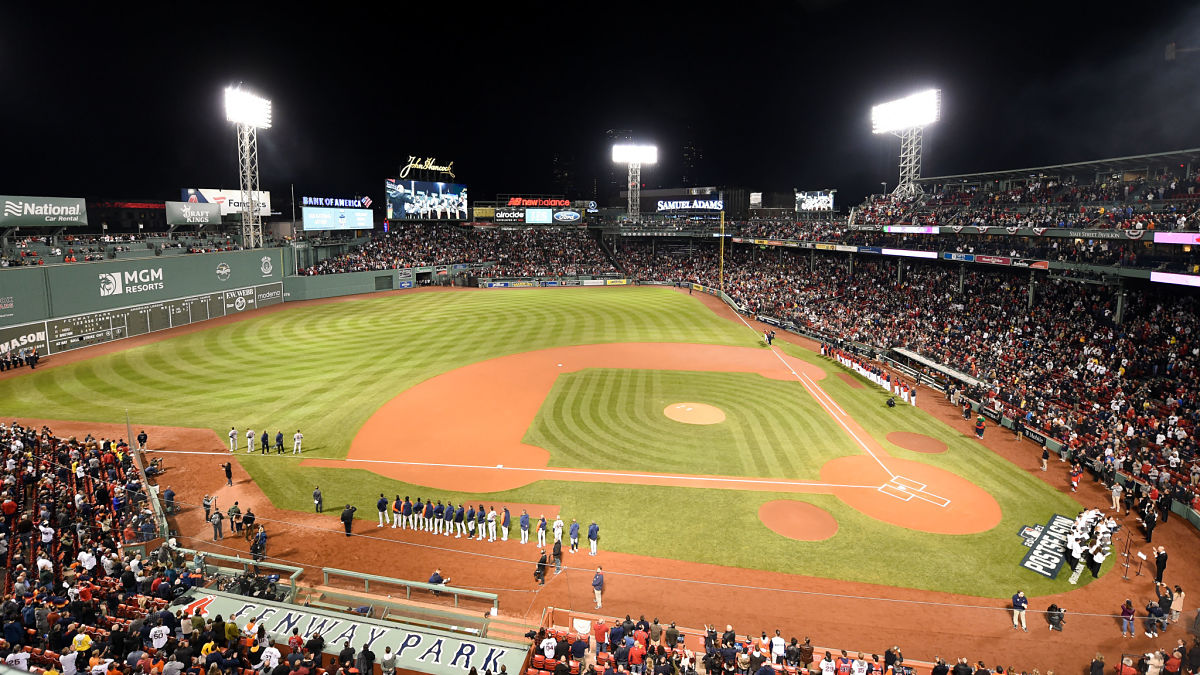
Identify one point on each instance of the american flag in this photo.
(366, 201)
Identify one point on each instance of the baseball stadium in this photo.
(946, 428)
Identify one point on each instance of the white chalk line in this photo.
(614, 474)
(812, 390)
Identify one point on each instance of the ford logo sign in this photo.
(566, 216)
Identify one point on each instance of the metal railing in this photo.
(409, 586)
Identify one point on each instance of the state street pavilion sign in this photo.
(420, 649)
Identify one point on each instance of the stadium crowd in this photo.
(514, 252)
(1124, 395)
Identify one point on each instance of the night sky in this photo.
(108, 102)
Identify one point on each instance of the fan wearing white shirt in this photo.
(159, 635)
(18, 660)
(270, 657)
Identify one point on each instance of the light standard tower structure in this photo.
(634, 156)
(250, 113)
(907, 118)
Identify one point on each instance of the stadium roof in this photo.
(1094, 166)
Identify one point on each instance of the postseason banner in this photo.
(424, 200)
(320, 218)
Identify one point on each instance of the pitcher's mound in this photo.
(694, 413)
(798, 520)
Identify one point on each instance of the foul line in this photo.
(812, 390)
(612, 474)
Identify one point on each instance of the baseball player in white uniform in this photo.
(249, 440)
(232, 439)
(296, 439)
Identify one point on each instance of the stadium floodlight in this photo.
(250, 113)
(918, 110)
(242, 107)
(906, 118)
(634, 156)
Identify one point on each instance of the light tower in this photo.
(906, 118)
(250, 113)
(634, 156)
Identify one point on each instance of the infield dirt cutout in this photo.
(695, 413)
(483, 451)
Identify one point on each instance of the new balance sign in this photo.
(21, 211)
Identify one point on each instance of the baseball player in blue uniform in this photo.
(428, 521)
(504, 523)
(593, 536)
(574, 534)
(541, 531)
(438, 512)
(470, 521)
(382, 507)
(418, 510)
(407, 511)
(524, 527)
(448, 519)
(397, 512)
(480, 523)
(458, 522)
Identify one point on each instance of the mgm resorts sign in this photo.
(1047, 546)
(131, 281)
(20, 211)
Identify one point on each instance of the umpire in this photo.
(348, 518)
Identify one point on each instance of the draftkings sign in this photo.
(420, 649)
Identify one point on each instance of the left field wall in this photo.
(58, 308)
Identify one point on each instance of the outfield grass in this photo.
(327, 368)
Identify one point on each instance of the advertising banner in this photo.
(910, 229)
(1034, 435)
(319, 218)
(22, 211)
(592, 282)
(522, 284)
(404, 283)
(497, 284)
(993, 415)
(15, 338)
(910, 254)
(690, 205)
(484, 212)
(193, 213)
(549, 283)
(503, 215)
(870, 249)
(539, 216)
(568, 282)
(993, 260)
(230, 201)
(1177, 237)
(963, 257)
(567, 216)
(615, 282)
(1032, 264)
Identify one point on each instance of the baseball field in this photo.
(677, 430)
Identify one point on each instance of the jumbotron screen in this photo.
(814, 201)
(425, 200)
